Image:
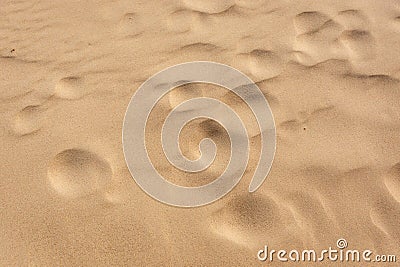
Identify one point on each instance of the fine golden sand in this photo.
(330, 71)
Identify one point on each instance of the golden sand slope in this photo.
(329, 70)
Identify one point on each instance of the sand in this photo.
(330, 71)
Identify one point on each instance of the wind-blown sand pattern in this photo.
(330, 71)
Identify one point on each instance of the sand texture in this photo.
(330, 71)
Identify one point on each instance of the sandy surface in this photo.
(329, 69)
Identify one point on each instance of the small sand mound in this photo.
(28, 120)
(211, 128)
(360, 44)
(76, 172)
(70, 88)
(309, 21)
(178, 21)
(209, 6)
(247, 218)
(318, 43)
(251, 4)
(396, 22)
(184, 93)
(264, 64)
